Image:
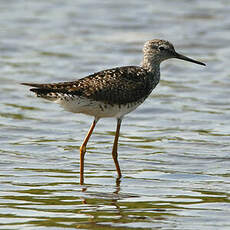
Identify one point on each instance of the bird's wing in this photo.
(119, 85)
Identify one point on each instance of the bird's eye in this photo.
(161, 48)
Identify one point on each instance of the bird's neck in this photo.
(151, 63)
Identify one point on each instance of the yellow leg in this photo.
(83, 150)
(114, 152)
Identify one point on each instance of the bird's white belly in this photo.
(96, 108)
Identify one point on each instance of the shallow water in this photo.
(174, 149)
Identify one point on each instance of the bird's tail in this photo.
(42, 90)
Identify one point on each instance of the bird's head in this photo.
(160, 50)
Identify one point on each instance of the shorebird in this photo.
(112, 92)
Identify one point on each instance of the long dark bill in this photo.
(182, 57)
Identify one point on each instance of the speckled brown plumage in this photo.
(119, 85)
